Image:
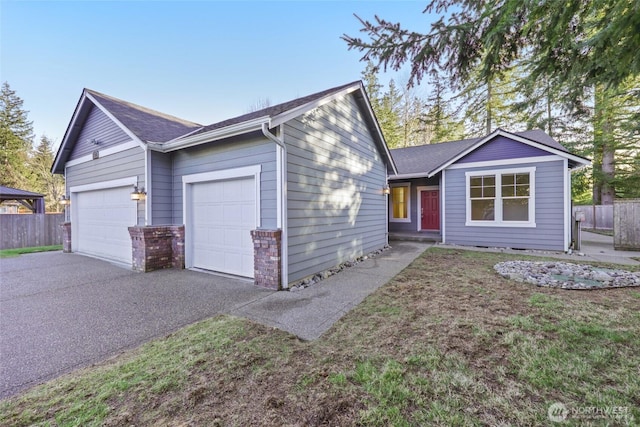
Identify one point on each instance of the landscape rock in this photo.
(566, 275)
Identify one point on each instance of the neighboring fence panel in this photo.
(626, 224)
(27, 230)
(596, 216)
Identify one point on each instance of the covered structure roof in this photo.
(29, 199)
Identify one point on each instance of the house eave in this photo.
(210, 136)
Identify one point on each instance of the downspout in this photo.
(281, 161)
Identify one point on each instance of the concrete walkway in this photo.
(310, 312)
(595, 248)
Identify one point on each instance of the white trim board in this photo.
(506, 162)
(122, 182)
(104, 153)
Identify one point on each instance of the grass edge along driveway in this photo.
(445, 342)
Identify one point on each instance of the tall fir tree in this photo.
(52, 186)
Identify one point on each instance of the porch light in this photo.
(138, 194)
(64, 200)
(386, 190)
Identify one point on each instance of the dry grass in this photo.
(447, 342)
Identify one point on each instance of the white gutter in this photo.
(213, 135)
(281, 172)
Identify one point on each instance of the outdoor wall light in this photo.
(64, 200)
(386, 190)
(138, 194)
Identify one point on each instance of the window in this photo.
(399, 206)
(501, 198)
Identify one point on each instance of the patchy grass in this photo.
(446, 342)
(8, 253)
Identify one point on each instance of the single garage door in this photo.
(223, 215)
(102, 218)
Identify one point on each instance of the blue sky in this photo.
(203, 61)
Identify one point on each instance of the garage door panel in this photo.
(103, 218)
(223, 215)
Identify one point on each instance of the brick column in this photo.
(66, 237)
(157, 247)
(177, 246)
(267, 261)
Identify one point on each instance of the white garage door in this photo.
(223, 215)
(102, 218)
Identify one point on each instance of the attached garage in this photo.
(221, 209)
(101, 217)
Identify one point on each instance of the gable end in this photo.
(502, 148)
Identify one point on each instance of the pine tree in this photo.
(16, 135)
(52, 186)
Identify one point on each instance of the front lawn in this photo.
(447, 342)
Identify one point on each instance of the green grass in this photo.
(8, 253)
(447, 342)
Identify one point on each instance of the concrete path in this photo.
(595, 248)
(310, 312)
(59, 312)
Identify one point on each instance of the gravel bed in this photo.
(566, 275)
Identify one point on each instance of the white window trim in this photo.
(391, 218)
(498, 222)
(419, 191)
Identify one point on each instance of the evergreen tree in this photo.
(16, 135)
(52, 186)
(574, 45)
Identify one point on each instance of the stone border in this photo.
(565, 275)
(318, 277)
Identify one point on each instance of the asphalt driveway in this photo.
(59, 312)
(62, 311)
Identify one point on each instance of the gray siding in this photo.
(98, 126)
(549, 212)
(161, 191)
(413, 202)
(236, 152)
(336, 209)
(120, 165)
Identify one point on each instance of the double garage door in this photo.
(102, 218)
(221, 215)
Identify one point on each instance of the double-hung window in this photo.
(503, 198)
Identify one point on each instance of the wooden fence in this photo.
(596, 216)
(27, 230)
(626, 224)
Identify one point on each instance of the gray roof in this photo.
(8, 193)
(276, 109)
(148, 125)
(427, 158)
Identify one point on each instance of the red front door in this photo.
(430, 206)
